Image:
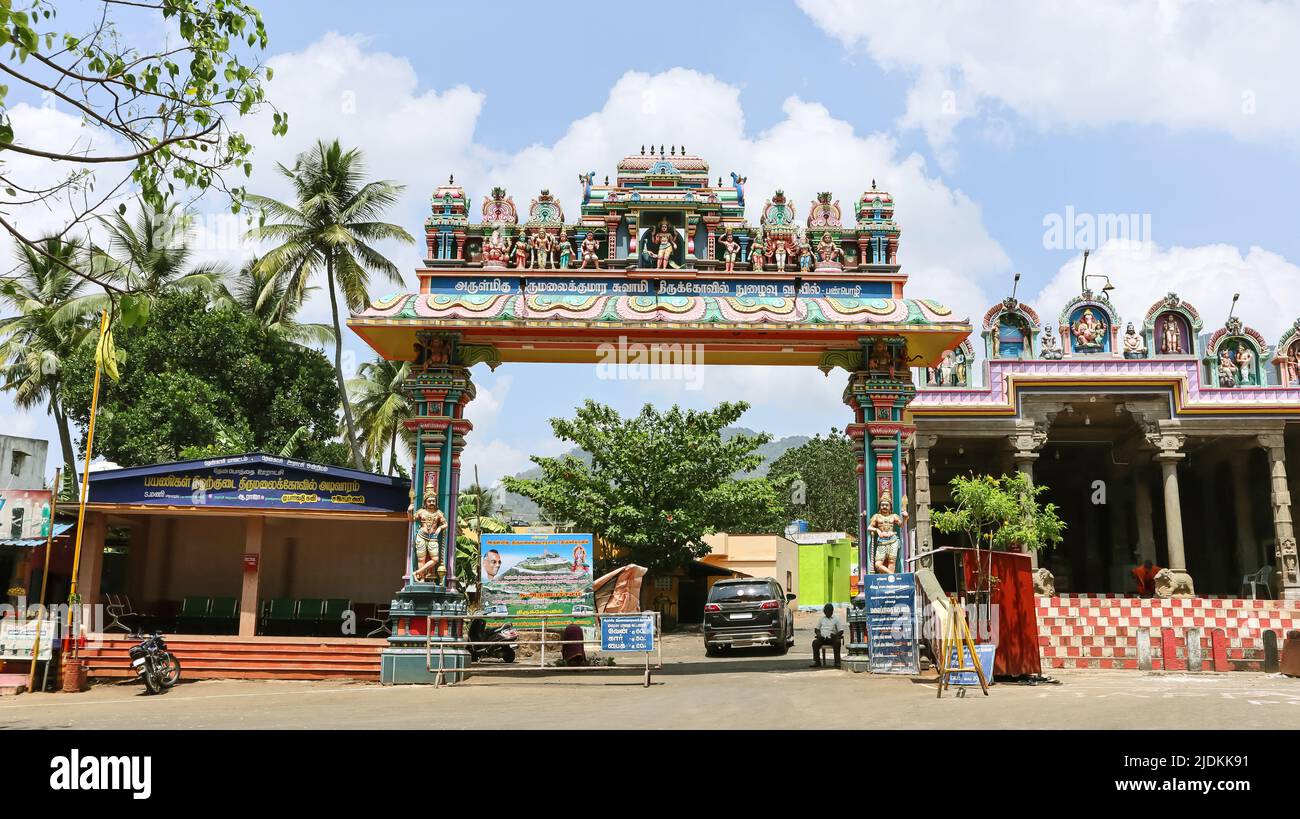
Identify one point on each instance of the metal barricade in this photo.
(439, 647)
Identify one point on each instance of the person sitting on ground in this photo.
(829, 632)
(1145, 575)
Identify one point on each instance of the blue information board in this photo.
(631, 633)
(985, 653)
(891, 623)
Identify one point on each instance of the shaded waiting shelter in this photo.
(241, 530)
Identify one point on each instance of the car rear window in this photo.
(740, 592)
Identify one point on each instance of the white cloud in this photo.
(1219, 66)
(1205, 276)
(18, 423)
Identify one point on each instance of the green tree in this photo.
(382, 407)
(203, 382)
(999, 513)
(818, 482)
(658, 481)
(262, 293)
(332, 227)
(50, 306)
(153, 254)
(158, 119)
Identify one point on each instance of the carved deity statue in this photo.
(947, 370)
(541, 250)
(1227, 369)
(1089, 332)
(496, 251)
(885, 525)
(665, 242)
(827, 250)
(780, 251)
(730, 252)
(565, 249)
(1134, 346)
(521, 250)
(1245, 364)
(758, 252)
(806, 257)
(1171, 340)
(1050, 346)
(590, 251)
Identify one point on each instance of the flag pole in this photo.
(73, 599)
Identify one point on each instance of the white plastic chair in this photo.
(1259, 578)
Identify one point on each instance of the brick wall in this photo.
(1100, 631)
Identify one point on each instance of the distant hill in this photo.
(521, 508)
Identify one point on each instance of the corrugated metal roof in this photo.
(59, 530)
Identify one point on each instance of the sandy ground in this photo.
(745, 689)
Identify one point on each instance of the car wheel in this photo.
(712, 651)
(782, 647)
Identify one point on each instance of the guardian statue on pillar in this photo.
(885, 525)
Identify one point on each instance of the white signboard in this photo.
(17, 637)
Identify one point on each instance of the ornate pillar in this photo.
(1146, 537)
(863, 257)
(1027, 444)
(611, 236)
(922, 444)
(1247, 550)
(878, 392)
(1283, 528)
(1170, 444)
(431, 242)
(1121, 551)
(711, 236)
(440, 389)
(460, 245)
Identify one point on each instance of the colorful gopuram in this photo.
(1159, 440)
(664, 257)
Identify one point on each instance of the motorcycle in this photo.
(499, 637)
(154, 664)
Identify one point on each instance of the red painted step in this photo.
(256, 658)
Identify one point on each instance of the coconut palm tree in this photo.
(332, 226)
(262, 293)
(153, 253)
(381, 407)
(50, 308)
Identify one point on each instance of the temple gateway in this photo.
(1149, 434)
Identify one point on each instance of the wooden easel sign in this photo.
(957, 647)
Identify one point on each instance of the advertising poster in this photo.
(24, 513)
(529, 575)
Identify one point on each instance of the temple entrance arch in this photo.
(774, 299)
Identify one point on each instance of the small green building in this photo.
(824, 570)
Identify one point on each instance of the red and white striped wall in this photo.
(1101, 631)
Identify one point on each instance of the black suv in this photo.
(747, 612)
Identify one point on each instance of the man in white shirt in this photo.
(829, 631)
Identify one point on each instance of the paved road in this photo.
(751, 689)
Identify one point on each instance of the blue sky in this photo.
(982, 119)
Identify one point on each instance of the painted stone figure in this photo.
(948, 370)
(495, 251)
(1089, 332)
(1245, 364)
(431, 524)
(665, 241)
(885, 525)
(566, 249)
(521, 250)
(805, 254)
(1171, 340)
(541, 250)
(1050, 347)
(1227, 369)
(590, 252)
(1134, 346)
(779, 253)
(730, 252)
(758, 252)
(828, 253)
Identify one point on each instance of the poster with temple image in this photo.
(526, 576)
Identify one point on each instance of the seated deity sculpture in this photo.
(495, 252)
(1227, 369)
(1050, 348)
(1134, 346)
(1089, 332)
